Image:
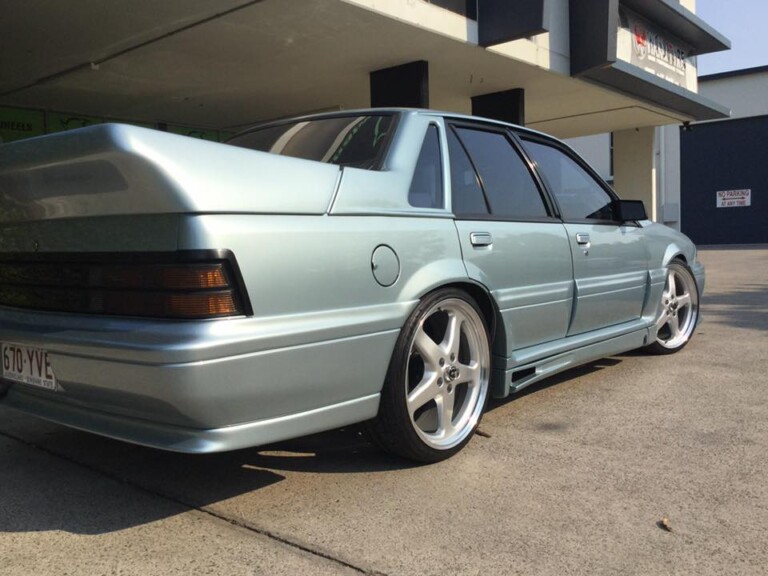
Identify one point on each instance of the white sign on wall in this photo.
(734, 198)
(654, 50)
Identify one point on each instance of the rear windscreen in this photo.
(357, 141)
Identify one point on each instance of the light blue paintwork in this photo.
(611, 276)
(315, 352)
(536, 305)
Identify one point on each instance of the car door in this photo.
(510, 240)
(610, 260)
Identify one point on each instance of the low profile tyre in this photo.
(678, 310)
(437, 384)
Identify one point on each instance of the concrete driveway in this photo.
(573, 479)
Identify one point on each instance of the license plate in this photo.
(28, 365)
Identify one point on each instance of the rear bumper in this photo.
(206, 386)
(193, 440)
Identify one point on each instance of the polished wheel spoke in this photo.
(662, 321)
(424, 392)
(469, 374)
(429, 351)
(452, 337)
(445, 406)
(674, 327)
(684, 300)
(672, 288)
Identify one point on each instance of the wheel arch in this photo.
(488, 307)
(675, 252)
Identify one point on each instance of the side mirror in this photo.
(629, 210)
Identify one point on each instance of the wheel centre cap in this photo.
(451, 373)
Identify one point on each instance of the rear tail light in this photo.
(183, 285)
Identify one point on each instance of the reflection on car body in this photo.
(393, 267)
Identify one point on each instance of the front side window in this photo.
(357, 141)
(578, 194)
(506, 180)
(427, 184)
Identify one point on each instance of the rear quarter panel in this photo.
(310, 282)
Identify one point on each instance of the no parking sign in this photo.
(734, 198)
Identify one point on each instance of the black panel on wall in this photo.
(507, 106)
(594, 29)
(406, 85)
(466, 8)
(504, 20)
(723, 156)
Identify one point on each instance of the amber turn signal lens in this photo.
(202, 305)
(192, 277)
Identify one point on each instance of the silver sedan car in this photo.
(392, 267)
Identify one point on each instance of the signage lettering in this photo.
(18, 123)
(734, 198)
(19, 126)
(651, 49)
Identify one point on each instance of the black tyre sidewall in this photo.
(393, 430)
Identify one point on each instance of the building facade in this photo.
(710, 181)
(208, 69)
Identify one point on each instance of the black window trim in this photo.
(436, 125)
(494, 218)
(554, 143)
(549, 206)
(452, 128)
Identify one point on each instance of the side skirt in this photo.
(506, 382)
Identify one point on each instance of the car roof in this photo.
(393, 110)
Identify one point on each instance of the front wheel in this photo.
(437, 384)
(678, 310)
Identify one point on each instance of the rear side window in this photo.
(578, 194)
(506, 180)
(427, 184)
(466, 193)
(357, 141)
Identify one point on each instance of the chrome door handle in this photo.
(478, 239)
(583, 241)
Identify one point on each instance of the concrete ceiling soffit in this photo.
(602, 121)
(46, 39)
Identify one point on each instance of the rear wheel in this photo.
(437, 384)
(678, 310)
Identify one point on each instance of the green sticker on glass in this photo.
(201, 133)
(58, 121)
(16, 124)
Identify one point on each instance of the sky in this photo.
(743, 22)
